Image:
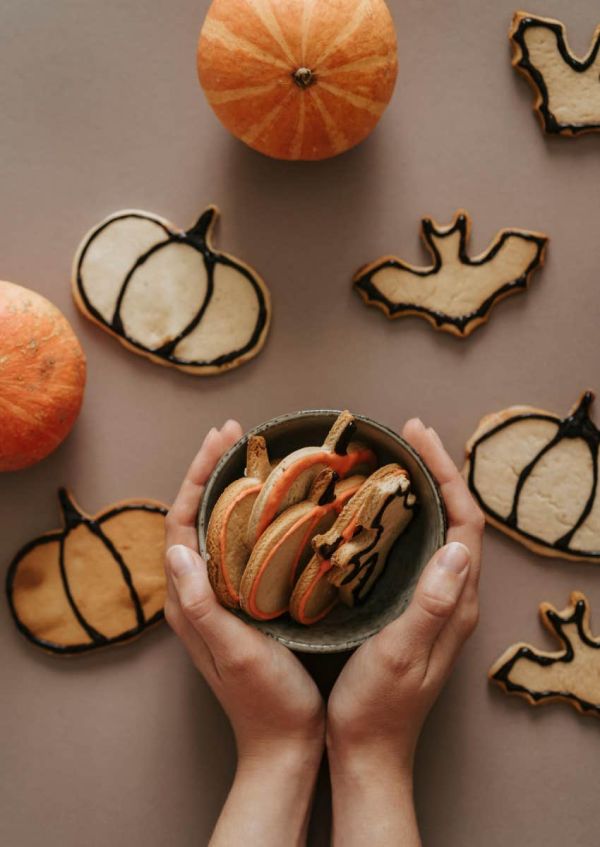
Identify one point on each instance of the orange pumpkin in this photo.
(298, 79)
(42, 377)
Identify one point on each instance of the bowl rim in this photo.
(261, 429)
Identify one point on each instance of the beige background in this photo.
(100, 110)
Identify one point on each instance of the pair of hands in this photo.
(378, 704)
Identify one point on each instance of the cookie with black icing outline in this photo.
(283, 550)
(456, 293)
(97, 581)
(228, 525)
(570, 675)
(169, 295)
(567, 88)
(352, 554)
(535, 475)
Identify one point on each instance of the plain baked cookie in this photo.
(570, 675)
(567, 88)
(284, 548)
(291, 479)
(535, 476)
(351, 555)
(456, 293)
(168, 295)
(228, 525)
(97, 581)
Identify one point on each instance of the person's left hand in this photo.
(273, 704)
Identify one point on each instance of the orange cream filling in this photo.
(312, 518)
(233, 593)
(342, 465)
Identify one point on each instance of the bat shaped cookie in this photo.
(535, 476)
(571, 674)
(290, 481)
(456, 292)
(228, 525)
(567, 88)
(284, 548)
(169, 295)
(351, 555)
(97, 581)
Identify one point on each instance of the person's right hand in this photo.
(384, 693)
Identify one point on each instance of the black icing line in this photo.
(557, 622)
(587, 431)
(72, 517)
(197, 238)
(363, 281)
(524, 63)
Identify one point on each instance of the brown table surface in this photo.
(100, 110)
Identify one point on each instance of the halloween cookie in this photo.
(567, 89)
(456, 293)
(168, 295)
(228, 525)
(570, 675)
(97, 581)
(284, 548)
(535, 476)
(351, 555)
(290, 481)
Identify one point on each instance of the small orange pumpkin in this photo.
(42, 377)
(298, 79)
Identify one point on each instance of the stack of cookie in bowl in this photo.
(314, 529)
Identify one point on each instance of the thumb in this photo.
(436, 596)
(199, 605)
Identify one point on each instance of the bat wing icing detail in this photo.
(571, 674)
(169, 295)
(456, 292)
(567, 88)
(535, 476)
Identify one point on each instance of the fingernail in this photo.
(435, 436)
(229, 422)
(454, 557)
(417, 422)
(181, 560)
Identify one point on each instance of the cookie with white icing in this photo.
(567, 88)
(535, 475)
(352, 554)
(284, 548)
(290, 481)
(456, 293)
(226, 545)
(169, 295)
(569, 675)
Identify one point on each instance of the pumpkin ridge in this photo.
(296, 147)
(345, 33)
(93, 634)
(264, 11)
(364, 64)
(169, 348)
(217, 31)
(307, 13)
(369, 105)
(336, 136)
(270, 118)
(125, 572)
(227, 95)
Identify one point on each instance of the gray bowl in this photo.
(344, 629)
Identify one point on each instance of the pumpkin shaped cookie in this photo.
(290, 481)
(97, 581)
(228, 525)
(283, 550)
(535, 476)
(168, 295)
(352, 554)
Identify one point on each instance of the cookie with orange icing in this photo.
(227, 528)
(290, 481)
(284, 548)
(352, 554)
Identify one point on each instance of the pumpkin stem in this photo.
(71, 514)
(200, 231)
(583, 408)
(304, 77)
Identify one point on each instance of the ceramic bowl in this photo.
(344, 628)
